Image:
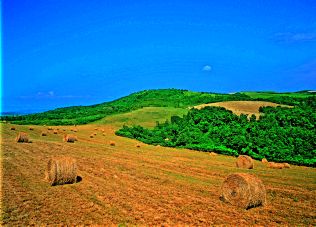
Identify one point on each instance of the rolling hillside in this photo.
(146, 117)
(148, 98)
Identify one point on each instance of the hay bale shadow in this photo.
(78, 179)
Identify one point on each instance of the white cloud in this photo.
(206, 68)
(294, 37)
(51, 94)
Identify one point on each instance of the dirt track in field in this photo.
(149, 185)
(242, 107)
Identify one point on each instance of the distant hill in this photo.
(148, 98)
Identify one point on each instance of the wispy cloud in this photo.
(51, 94)
(206, 68)
(308, 69)
(294, 37)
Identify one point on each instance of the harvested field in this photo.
(151, 185)
(242, 107)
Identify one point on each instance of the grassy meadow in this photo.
(146, 117)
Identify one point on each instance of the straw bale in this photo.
(22, 137)
(61, 170)
(243, 190)
(244, 161)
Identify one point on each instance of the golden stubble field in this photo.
(146, 185)
(242, 107)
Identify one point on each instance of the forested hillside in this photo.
(280, 134)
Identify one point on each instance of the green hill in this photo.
(148, 98)
(174, 98)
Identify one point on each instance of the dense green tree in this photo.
(280, 134)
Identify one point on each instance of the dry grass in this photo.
(243, 190)
(61, 170)
(242, 107)
(244, 161)
(159, 186)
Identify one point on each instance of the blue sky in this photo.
(61, 53)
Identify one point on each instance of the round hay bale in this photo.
(102, 130)
(112, 143)
(274, 165)
(70, 138)
(12, 128)
(286, 165)
(243, 190)
(43, 133)
(95, 128)
(264, 161)
(31, 128)
(55, 131)
(61, 170)
(49, 128)
(91, 136)
(22, 137)
(103, 134)
(138, 145)
(212, 154)
(95, 134)
(244, 161)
